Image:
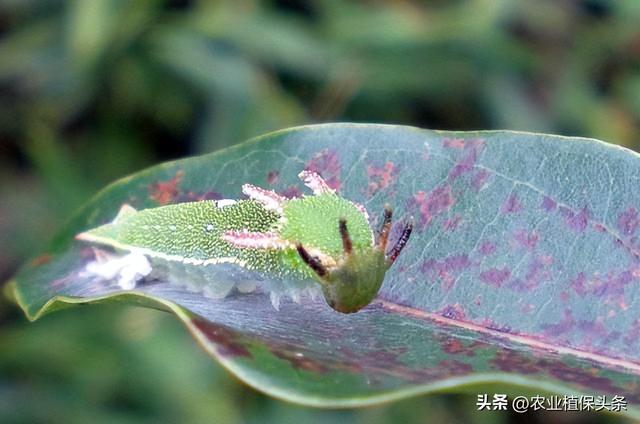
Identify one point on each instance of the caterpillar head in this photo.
(353, 281)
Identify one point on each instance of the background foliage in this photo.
(93, 90)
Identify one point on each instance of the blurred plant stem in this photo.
(54, 164)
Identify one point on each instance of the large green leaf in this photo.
(523, 269)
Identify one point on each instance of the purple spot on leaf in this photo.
(593, 328)
(472, 149)
(327, 164)
(292, 192)
(487, 248)
(227, 342)
(561, 327)
(613, 284)
(578, 284)
(511, 205)
(433, 203)
(527, 240)
(564, 296)
(456, 347)
(575, 221)
(495, 276)
(447, 269)
(580, 376)
(479, 179)
(512, 361)
(165, 192)
(548, 204)
(536, 273)
(628, 221)
(453, 143)
(273, 177)
(380, 177)
(475, 144)
(465, 165)
(452, 223)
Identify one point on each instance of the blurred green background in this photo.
(91, 90)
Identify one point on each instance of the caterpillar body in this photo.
(323, 238)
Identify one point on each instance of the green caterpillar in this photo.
(323, 237)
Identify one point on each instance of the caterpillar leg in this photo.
(347, 244)
(313, 262)
(383, 234)
(401, 243)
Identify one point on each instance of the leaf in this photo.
(523, 270)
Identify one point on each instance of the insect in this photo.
(323, 237)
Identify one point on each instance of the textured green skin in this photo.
(353, 286)
(192, 233)
(313, 221)
(180, 231)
